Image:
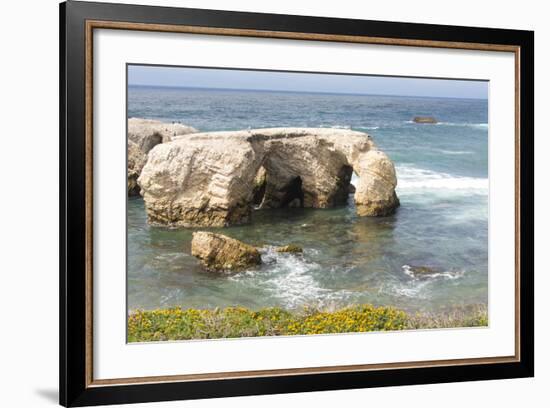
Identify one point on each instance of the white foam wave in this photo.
(289, 277)
(474, 125)
(411, 291)
(348, 127)
(411, 180)
(455, 152)
(418, 287)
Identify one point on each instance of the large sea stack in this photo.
(210, 179)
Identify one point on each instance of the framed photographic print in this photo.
(256, 203)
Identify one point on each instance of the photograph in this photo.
(278, 203)
(310, 203)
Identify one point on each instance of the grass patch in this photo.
(466, 316)
(185, 324)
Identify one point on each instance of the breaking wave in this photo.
(454, 152)
(411, 180)
(474, 125)
(418, 286)
(354, 127)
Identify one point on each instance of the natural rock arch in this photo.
(208, 179)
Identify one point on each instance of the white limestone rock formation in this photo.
(143, 135)
(212, 179)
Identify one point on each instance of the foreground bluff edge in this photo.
(210, 179)
(143, 135)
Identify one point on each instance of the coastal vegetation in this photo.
(231, 322)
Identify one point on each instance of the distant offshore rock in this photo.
(216, 179)
(143, 135)
(219, 252)
(424, 119)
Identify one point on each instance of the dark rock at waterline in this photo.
(351, 189)
(424, 119)
(136, 161)
(428, 272)
(420, 272)
(219, 252)
(292, 248)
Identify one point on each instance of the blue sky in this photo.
(299, 82)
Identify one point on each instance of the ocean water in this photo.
(442, 223)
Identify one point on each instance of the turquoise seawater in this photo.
(442, 222)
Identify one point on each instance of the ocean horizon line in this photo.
(298, 92)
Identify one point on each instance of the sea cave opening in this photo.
(266, 195)
(292, 194)
(344, 187)
(269, 191)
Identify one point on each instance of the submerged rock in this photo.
(424, 119)
(290, 248)
(422, 272)
(213, 179)
(219, 252)
(143, 135)
(419, 271)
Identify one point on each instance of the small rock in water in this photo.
(219, 252)
(424, 119)
(420, 272)
(292, 248)
(428, 272)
